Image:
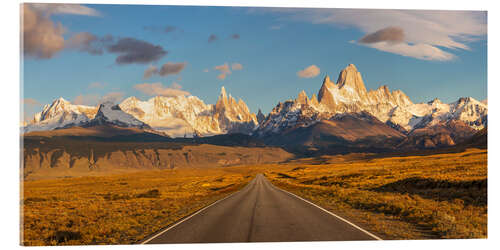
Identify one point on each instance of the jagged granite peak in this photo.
(260, 116)
(189, 115)
(349, 95)
(302, 98)
(314, 101)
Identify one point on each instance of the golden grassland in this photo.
(407, 197)
(412, 197)
(119, 209)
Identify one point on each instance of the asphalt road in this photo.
(260, 212)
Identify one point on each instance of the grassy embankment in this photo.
(412, 197)
(119, 209)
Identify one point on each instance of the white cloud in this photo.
(61, 8)
(309, 72)
(424, 30)
(157, 88)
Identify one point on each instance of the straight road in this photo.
(261, 212)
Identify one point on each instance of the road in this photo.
(260, 212)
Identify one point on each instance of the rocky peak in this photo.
(260, 116)
(302, 98)
(111, 114)
(350, 79)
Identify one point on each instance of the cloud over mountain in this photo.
(309, 72)
(426, 32)
(157, 88)
(389, 34)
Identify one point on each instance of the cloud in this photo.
(309, 72)
(424, 30)
(114, 97)
(150, 71)
(420, 51)
(153, 89)
(86, 99)
(42, 38)
(96, 99)
(132, 50)
(58, 8)
(212, 38)
(224, 68)
(389, 34)
(221, 76)
(166, 69)
(236, 66)
(96, 85)
(30, 101)
(85, 42)
(169, 29)
(171, 68)
(224, 71)
(206, 70)
(235, 36)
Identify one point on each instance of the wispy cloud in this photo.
(389, 34)
(424, 30)
(225, 69)
(96, 99)
(309, 72)
(157, 88)
(235, 36)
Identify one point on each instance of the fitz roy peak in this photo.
(349, 95)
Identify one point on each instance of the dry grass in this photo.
(119, 209)
(413, 197)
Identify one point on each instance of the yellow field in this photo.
(119, 209)
(412, 197)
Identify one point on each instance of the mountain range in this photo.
(343, 115)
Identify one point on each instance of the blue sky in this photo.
(424, 53)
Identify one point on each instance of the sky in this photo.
(88, 54)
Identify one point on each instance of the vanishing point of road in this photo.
(260, 212)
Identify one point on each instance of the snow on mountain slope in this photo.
(60, 113)
(349, 95)
(188, 115)
(111, 114)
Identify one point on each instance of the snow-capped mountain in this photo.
(111, 114)
(349, 95)
(60, 113)
(176, 116)
(188, 115)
